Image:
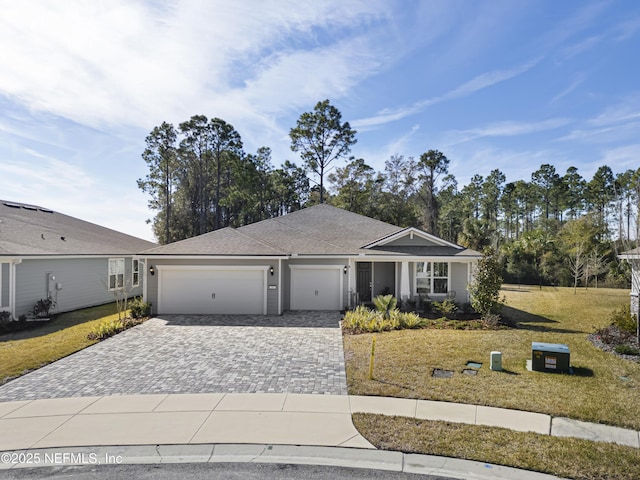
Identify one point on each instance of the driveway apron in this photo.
(298, 352)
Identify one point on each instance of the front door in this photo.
(364, 281)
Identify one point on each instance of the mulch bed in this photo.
(608, 338)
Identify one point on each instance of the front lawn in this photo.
(23, 351)
(603, 389)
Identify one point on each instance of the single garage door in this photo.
(316, 288)
(211, 291)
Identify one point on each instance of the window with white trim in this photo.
(135, 272)
(116, 273)
(432, 277)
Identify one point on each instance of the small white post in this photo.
(496, 361)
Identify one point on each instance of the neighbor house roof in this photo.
(30, 230)
(318, 230)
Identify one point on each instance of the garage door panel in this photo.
(192, 291)
(316, 289)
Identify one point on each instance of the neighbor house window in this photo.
(135, 273)
(432, 277)
(116, 273)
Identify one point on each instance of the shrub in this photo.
(43, 307)
(490, 320)
(140, 308)
(5, 317)
(109, 328)
(362, 319)
(623, 319)
(106, 329)
(485, 287)
(385, 303)
(626, 350)
(446, 307)
(411, 320)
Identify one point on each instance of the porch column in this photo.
(405, 288)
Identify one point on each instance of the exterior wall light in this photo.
(271, 271)
(152, 271)
(346, 268)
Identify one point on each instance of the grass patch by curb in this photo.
(603, 390)
(564, 457)
(21, 352)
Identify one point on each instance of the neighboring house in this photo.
(76, 263)
(633, 257)
(319, 258)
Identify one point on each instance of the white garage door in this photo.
(316, 288)
(211, 291)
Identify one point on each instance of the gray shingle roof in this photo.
(318, 230)
(31, 230)
(226, 241)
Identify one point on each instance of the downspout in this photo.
(12, 286)
(280, 288)
(144, 277)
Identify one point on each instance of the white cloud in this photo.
(503, 129)
(621, 158)
(617, 114)
(477, 83)
(572, 86)
(133, 63)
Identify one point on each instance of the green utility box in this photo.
(550, 357)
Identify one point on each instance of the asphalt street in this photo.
(209, 471)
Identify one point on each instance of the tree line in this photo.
(557, 227)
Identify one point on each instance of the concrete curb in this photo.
(278, 454)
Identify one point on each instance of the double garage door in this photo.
(207, 291)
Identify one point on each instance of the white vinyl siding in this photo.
(116, 273)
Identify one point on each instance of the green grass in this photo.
(23, 351)
(563, 457)
(605, 389)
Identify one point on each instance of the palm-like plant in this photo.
(384, 304)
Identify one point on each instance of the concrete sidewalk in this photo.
(219, 418)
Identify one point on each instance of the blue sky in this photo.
(492, 84)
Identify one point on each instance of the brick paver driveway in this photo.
(299, 352)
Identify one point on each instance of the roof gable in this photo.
(412, 237)
(32, 230)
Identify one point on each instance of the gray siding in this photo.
(83, 282)
(272, 295)
(4, 283)
(407, 241)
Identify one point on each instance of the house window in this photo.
(135, 273)
(116, 273)
(432, 277)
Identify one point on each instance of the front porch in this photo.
(418, 281)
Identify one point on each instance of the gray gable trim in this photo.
(29, 230)
(423, 251)
(410, 232)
